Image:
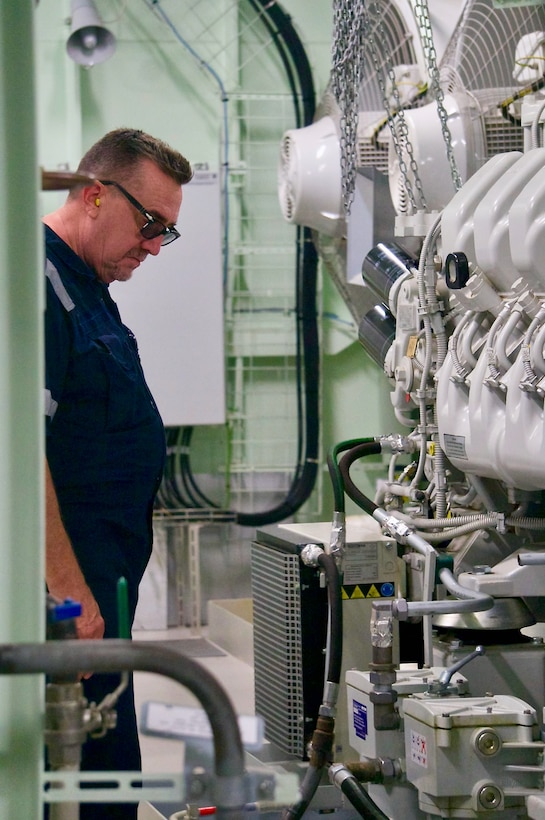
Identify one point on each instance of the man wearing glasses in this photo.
(104, 436)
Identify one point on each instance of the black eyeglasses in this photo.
(152, 227)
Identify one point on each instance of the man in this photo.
(105, 439)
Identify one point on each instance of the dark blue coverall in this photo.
(106, 448)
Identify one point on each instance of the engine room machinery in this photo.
(443, 684)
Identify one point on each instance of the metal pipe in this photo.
(529, 559)
(467, 600)
(404, 534)
(73, 656)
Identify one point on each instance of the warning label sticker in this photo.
(353, 592)
(419, 749)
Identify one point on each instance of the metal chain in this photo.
(396, 117)
(422, 16)
(347, 67)
(353, 37)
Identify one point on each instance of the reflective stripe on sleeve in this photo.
(50, 404)
(62, 294)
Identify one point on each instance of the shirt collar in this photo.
(57, 248)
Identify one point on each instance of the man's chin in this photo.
(125, 272)
(125, 275)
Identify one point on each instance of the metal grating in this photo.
(278, 647)
(502, 136)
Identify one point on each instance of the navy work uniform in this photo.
(105, 448)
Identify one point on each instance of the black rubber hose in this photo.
(360, 799)
(371, 448)
(329, 565)
(333, 468)
(324, 732)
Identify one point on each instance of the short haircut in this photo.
(118, 154)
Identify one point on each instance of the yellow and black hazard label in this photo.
(381, 589)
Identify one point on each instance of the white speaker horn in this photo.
(89, 42)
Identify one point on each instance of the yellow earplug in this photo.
(97, 201)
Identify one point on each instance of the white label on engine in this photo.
(454, 446)
(360, 563)
(419, 749)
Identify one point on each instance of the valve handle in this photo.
(446, 674)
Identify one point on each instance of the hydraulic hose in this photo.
(73, 656)
(308, 788)
(329, 565)
(334, 471)
(313, 555)
(368, 448)
(322, 739)
(357, 795)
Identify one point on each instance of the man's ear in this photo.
(90, 195)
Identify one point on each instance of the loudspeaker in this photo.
(89, 42)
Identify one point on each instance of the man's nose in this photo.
(152, 246)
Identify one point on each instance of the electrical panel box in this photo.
(174, 306)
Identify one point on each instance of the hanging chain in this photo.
(422, 16)
(347, 69)
(353, 36)
(396, 116)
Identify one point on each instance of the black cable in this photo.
(370, 448)
(299, 74)
(198, 497)
(288, 43)
(304, 481)
(329, 565)
(169, 495)
(322, 738)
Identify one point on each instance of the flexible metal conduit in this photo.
(73, 657)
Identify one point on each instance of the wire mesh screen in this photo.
(481, 52)
(396, 44)
(237, 44)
